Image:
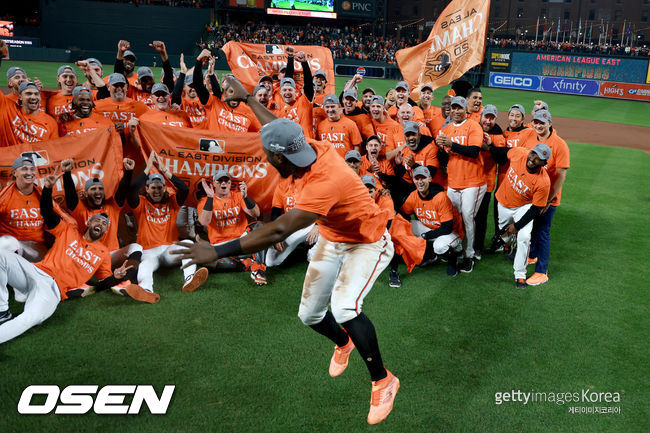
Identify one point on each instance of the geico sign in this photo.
(514, 81)
(80, 399)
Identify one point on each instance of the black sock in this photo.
(329, 328)
(132, 275)
(428, 252)
(362, 333)
(394, 263)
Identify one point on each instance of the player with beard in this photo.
(118, 107)
(61, 101)
(404, 115)
(125, 62)
(356, 114)
(443, 119)
(474, 104)
(83, 118)
(162, 112)
(366, 97)
(24, 122)
(385, 127)
(196, 101)
(338, 130)
(262, 94)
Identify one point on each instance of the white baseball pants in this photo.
(508, 215)
(275, 257)
(467, 201)
(154, 258)
(441, 244)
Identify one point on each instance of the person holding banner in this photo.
(24, 122)
(118, 107)
(338, 130)
(298, 107)
(353, 250)
(82, 118)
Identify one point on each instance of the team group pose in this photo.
(368, 182)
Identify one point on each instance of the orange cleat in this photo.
(382, 398)
(340, 358)
(139, 294)
(531, 261)
(536, 279)
(196, 280)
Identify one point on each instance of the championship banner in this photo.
(249, 62)
(95, 154)
(455, 45)
(194, 154)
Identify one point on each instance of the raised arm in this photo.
(71, 199)
(125, 182)
(234, 91)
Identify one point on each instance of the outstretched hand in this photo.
(207, 187)
(199, 252)
(51, 179)
(233, 90)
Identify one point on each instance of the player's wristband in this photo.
(208, 204)
(250, 204)
(228, 249)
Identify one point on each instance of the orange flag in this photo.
(456, 44)
(96, 154)
(249, 62)
(195, 154)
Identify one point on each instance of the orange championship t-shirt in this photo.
(476, 115)
(363, 123)
(20, 215)
(146, 98)
(157, 222)
(122, 111)
(58, 103)
(300, 111)
(387, 131)
(222, 117)
(317, 111)
(560, 156)
(418, 115)
(343, 134)
(513, 139)
(431, 113)
(198, 112)
(385, 166)
(522, 187)
(330, 189)
(73, 260)
(17, 127)
(425, 156)
(82, 214)
(436, 124)
(489, 166)
(80, 126)
(463, 171)
(228, 217)
(284, 195)
(176, 118)
(432, 213)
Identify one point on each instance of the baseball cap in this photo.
(115, 78)
(258, 88)
(350, 94)
(368, 89)
(94, 61)
(490, 109)
(426, 86)
(377, 99)
(79, 90)
(421, 170)
(25, 85)
(321, 73)
(22, 161)
(402, 85)
(459, 100)
(331, 99)
(220, 174)
(374, 137)
(189, 79)
(265, 78)
(541, 115)
(282, 68)
(369, 180)
(543, 151)
(155, 178)
(519, 108)
(92, 182)
(411, 127)
(285, 137)
(143, 71)
(66, 69)
(159, 87)
(101, 216)
(129, 53)
(288, 82)
(15, 70)
(353, 154)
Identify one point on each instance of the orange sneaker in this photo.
(531, 261)
(139, 294)
(536, 279)
(195, 281)
(382, 398)
(339, 361)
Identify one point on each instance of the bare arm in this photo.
(561, 172)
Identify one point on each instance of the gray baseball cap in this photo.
(350, 94)
(375, 137)
(519, 108)
(459, 100)
(129, 53)
(288, 82)
(353, 154)
(26, 85)
(411, 127)
(220, 174)
(368, 89)
(143, 71)
(543, 151)
(426, 86)
(542, 116)
(286, 137)
(265, 78)
(490, 109)
(155, 178)
(159, 87)
(101, 216)
(15, 70)
(79, 90)
(402, 85)
(369, 180)
(377, 99)
(116, 78)
(94, 61)
(66, 69)
(258, 88)
(321, 73)
(189, 79)
(92, 182)
(331, 99)
(22, 161)
(421, 170)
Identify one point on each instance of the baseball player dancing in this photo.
(354, 247)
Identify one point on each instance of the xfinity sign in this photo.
(514, 81)
(81, 399)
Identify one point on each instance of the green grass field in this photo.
(242, 361)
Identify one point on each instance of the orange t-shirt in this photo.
(387, 131)
(300, 111)
(228, 217)
(385, 202)
(560, 157)
(431, 113)
(522, 187)
(363, 123)
(222, 117)
(284, 195)
(176, 118)
(330, 189)
(120, 111)
(82, 214)
(343, 134)
(157, 222)
(476, 115)
(73, 260)
(436, 124)
(489, 166)
(426, 156)
(432, 213)
(58, 104)
(79, 126)
(512, 139)
(198, 112)
(20, 215)
(463, 171)
(317, 111)
(418, 115)
(385, 166)
(145, 97)
(17, 127)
